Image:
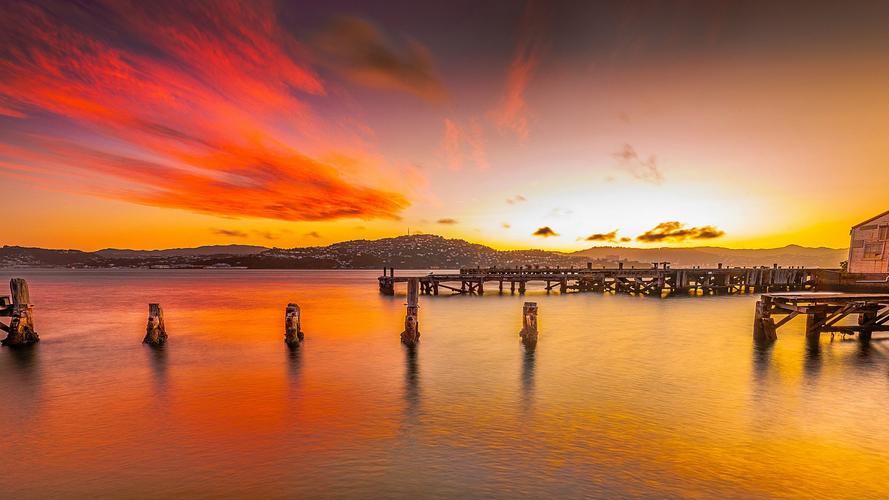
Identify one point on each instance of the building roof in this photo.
(871, 219)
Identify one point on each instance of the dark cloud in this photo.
(505, 225)
(233, 233)
(446, 221)
(612, 236)
(361, 52)
(639, 168)
(544, 232)
(512, 200)
(676, 231)
(266, 234)
(313, 234)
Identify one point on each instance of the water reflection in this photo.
(762, 360)
(411, 386)
(157, 357)
(528, 364)
(294, 360)
(21, 381)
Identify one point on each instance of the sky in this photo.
(556, 125)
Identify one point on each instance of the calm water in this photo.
(623, 396)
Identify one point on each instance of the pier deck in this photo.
(656, 281)
(823, 312)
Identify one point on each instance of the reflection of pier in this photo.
(823, 312)
(658, 280)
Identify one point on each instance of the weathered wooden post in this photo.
(293, 334)
(411, 333)
(763, 325)
(21, 326)
(563, 286)
(155, 333)
(865, 319)
(529, 323)
(814, 322)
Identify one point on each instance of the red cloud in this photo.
(198, 107)
(512, 113)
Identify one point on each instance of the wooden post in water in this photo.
(21, 326)
(155, 333)
(293, 334)
(529, 323)
(814, 322)
(764, 329)
(867, 318)
(411, 333)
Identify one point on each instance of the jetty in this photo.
(658, 280)
(823, 311)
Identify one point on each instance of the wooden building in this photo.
(869, 250)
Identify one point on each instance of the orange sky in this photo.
(270, 123)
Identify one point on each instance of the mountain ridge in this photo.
(415, 251)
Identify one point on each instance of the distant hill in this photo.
(791, 255)
(413, 252)
(115, 253)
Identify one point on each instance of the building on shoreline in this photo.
(869, 248)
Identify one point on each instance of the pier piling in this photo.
(21, 325)
(411, 334)
(156, 333)
(293, 334)
(529, 323)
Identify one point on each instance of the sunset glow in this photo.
(144, 125)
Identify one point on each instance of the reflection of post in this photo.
(293, 334)
(155, 333)
(529, 323)
(21, 326)
(411, 333)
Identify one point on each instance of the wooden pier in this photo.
(823, 312)
(659, 280)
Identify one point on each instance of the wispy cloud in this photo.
(463, 144)
(560, 212)
(195, 106)
(312, 234)
(511, 113)
(233, 233)
(643, 169)
(360, 50)
(545, 232)
(505, 225)
(512, 200)
(446, 221)
(676, 231)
